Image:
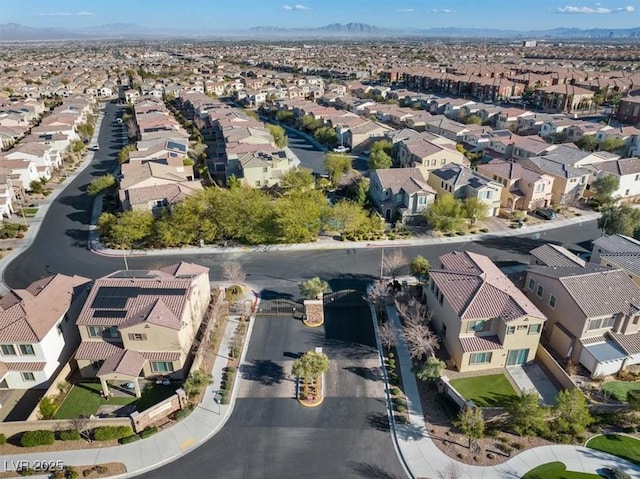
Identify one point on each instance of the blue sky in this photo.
(220, 15)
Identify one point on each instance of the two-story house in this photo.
(569, 182)
(523, 188)
(428, 155)
(37, 330)
(463, 182)
(142, 323)
(618, 251)
(260, 168)
(484, 320)
(593, 314)
(627, 171)
(400, 192)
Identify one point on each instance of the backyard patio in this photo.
(86, 399)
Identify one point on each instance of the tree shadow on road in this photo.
(379, 421)
(372, 471)
(264, 371)
(372, 373)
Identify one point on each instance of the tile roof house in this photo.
(553, 255)
(37, 331)
(142, 322)
(400, 192)
(259, 168)
(463, 182)
(618, 251)
(428, 155)
(593, 314)
(523, 188)
(484, 320)
(569, 182)
(627, 171)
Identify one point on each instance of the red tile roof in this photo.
(94, 350)
(29, 366)
(475, 344)
(126, 362)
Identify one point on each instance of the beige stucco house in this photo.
(142, 323)
(484, 320)
(260, 168)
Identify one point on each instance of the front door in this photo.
(517, 357)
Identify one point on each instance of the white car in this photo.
(94, 147)
(341, 149)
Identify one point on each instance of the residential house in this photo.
(400, 192)
(627, 171)
(618, 251)
(428, 155)
(261, 168)
(593, 314)
(555, 256)
(362, 136)
(628, 110)
(523, 188)
(484, 320)
(37, 330)
(463, 182)
(569, 182)
(142, 323)
(23, 172)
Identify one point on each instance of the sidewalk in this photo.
(167, 445)
(424, 459)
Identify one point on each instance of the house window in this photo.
(258, 183)
(635, 319)
(601, 323)
(422, 200)
(532, 284)
(539, 187)
(535, 328)
(103, 332)
(265, 170)
(443, 161)
(552, 301)
(137, 337)
(8, 350)
(511, 329)
(27, 350)
(540, 291)
(161, 366)
(480, 358)
(477, 326)
(637, 178)
(28, 377)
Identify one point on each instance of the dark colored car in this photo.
(545, 213)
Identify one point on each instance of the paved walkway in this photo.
(424, 459)
(168, 445)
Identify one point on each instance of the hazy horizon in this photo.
(200, 15)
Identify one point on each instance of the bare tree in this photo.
(232, 271)
(393, 263)
(377, 294)
(420, 340)
(452, 471)
(387, 334)
(82, 425)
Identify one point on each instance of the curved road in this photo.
(268, 435)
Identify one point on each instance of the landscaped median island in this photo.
(557, 470)
(309, 370)
(626, 447)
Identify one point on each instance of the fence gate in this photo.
(279, 307)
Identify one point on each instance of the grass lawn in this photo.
(619, 389)
(622, 446)
(557, 470)
(30, 212)
(486, 391)
(84, 399)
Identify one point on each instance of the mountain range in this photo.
(13, 32)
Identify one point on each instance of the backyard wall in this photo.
(445, 387)
(53, 390)
(211, 315)
(144, 419)
(544, 358)
(16, 427)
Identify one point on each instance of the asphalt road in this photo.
(268, 434)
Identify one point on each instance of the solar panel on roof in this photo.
(109, 313)
(118, 291)
(108, 302)
(163, 291)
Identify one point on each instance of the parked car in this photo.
(94, 147)
(341, 149)
(545, 213)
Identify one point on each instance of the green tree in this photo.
(196, 382)
(347, 217)
(285, 116)
(252, 114)
(471, 422)
(299, 216)
(570, 415)
(361, 193)
(47, 408)
(587, 143)
(420, 267)
(622, 219)
(604, 188)
(309, 367)
(611, 144)
(527, 416)
(106, 221)
(101, 184)
(188, 223)
(76, 146)
(243, 214)
(298, 179)
(132, 227)
(431, 370)
(310, 124)
(326, 135)
(234, 183)
(379, 160)
(337, 165)
(36, 186)
(445, 214)
(197, 151)
(123, 155)
(633, 398)
(473, 120)
(313, 288)
(278, 134)
(475, 209)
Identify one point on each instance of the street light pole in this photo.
(381, 263)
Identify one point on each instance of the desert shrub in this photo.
(109, 433)
(37, 438)
(233, 293)
(129, 439)
(150, 431)
(182, 413)
(3, 439)
(69, 435)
